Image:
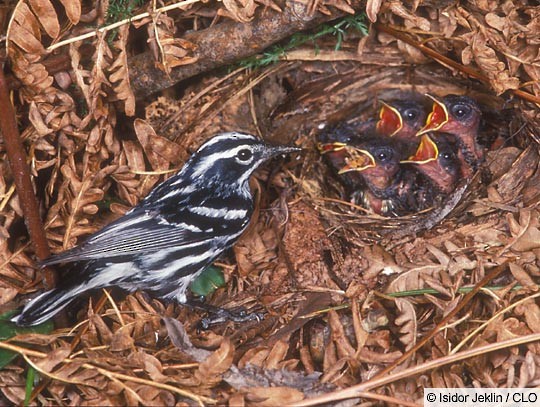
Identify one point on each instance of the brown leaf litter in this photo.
(346, 294)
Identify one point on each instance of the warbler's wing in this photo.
(135, 233)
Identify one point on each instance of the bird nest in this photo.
(358, 91)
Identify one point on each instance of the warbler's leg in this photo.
(219, 315)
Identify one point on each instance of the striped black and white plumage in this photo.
(171, 236)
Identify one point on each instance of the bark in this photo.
(21, 174)
(226, 43)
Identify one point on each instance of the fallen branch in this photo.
(226, 43)
(21, 174)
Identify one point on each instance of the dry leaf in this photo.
(277, 354)
(37, 120)
(46, 14)
(372, 9)
(531, 310)
(169, 50)
(411, 19)
(407, 322)
(73, 10)
(154, 368)
(526, 231)
(134, 155)
(119, 70)
(254, 357)
(53, 359)
(26, 20)
(273, 396)
(25, 39)
(495, 69)
(523, 277)
(160, 151)
(122, 340)
(180, 339)
(211, 369)
(413, 279)
(344, 347)
(240, 10)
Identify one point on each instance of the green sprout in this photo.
(122, 9)
(337, 29)
(119, 10)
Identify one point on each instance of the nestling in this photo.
(387, 185)
(398, 120)
(460, 117)
(439, 169)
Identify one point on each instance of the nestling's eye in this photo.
(461, 111)
(446, 156)
(410, 114)
(244, 155)
(384, 156)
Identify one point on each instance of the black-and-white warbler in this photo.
(169, 238)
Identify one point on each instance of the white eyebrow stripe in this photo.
(229, 136)
(208, 161)
(218, 212)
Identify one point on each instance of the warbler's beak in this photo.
(359, 160)
(427, 151)
(390, 120)
(437, 118)
(330, 147)
(273, 151)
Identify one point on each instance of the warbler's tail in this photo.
(45, 306)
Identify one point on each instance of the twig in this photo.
(121, 23)
(445, 61)
(111, 375)
(466, 299)
(21, 174)
(357, 390)
(489, 321)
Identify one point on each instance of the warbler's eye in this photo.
(244, 155)
(461, 111)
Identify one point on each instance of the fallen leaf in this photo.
(523, 277)
(273, 396)
(372, 9)
(73, 10)
(240, 10)
(54, 358)
(46, 14)
(211, 369)
(407, 322)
